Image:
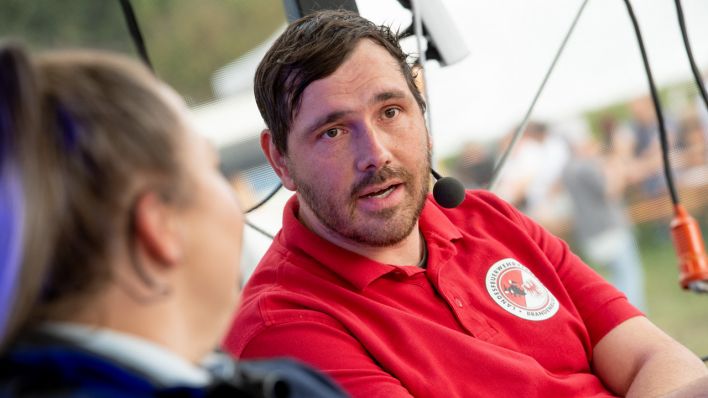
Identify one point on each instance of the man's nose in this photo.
(371, 148)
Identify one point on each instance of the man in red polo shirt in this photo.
(393, 296)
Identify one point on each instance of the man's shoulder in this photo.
(286, 286)
(281, 269)
(272, 306)
(45, 367)
(478, 204)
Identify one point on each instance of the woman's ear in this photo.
(156, 229)
(276, 160)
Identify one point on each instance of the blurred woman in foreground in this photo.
(120, 240)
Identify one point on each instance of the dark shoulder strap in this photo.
(276, 379)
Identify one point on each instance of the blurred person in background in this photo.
(532, 178)
(692, 148)
(474, 165)
(555, 154)
(595, 179)
(525, 159)
(701, 110)
(120, 244)
(645, 167)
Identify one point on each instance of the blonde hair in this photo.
(91, 129)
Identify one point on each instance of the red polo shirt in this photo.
(503, 308)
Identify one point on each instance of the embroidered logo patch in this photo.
(516, 289)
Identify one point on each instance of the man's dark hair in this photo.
(310, 49)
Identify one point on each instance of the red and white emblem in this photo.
(516, 289)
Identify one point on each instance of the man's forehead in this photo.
(369, 71)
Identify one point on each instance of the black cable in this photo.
(259, 204)
(267, 198)
(258, 229)
(657, 107)
(435, 174)
(689, 53)
(135, 33)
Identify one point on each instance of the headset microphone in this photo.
(447, 191)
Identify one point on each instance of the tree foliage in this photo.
(187, 39)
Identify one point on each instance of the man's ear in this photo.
(276, 160)
(156, 229)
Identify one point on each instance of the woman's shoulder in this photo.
(52, 369)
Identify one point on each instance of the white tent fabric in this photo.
(512, 43)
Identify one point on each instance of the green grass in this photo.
(680, 313)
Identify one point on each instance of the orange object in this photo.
(688, 242)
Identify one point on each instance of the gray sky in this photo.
(512, 43)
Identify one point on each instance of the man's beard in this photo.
(382, 228)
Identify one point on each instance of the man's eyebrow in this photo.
(387, 95)
(326, 119)
(336, 115)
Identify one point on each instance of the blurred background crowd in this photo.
(598, 182)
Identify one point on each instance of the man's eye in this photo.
(390, 113)
(331, 133)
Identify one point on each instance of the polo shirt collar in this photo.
(438, 231)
